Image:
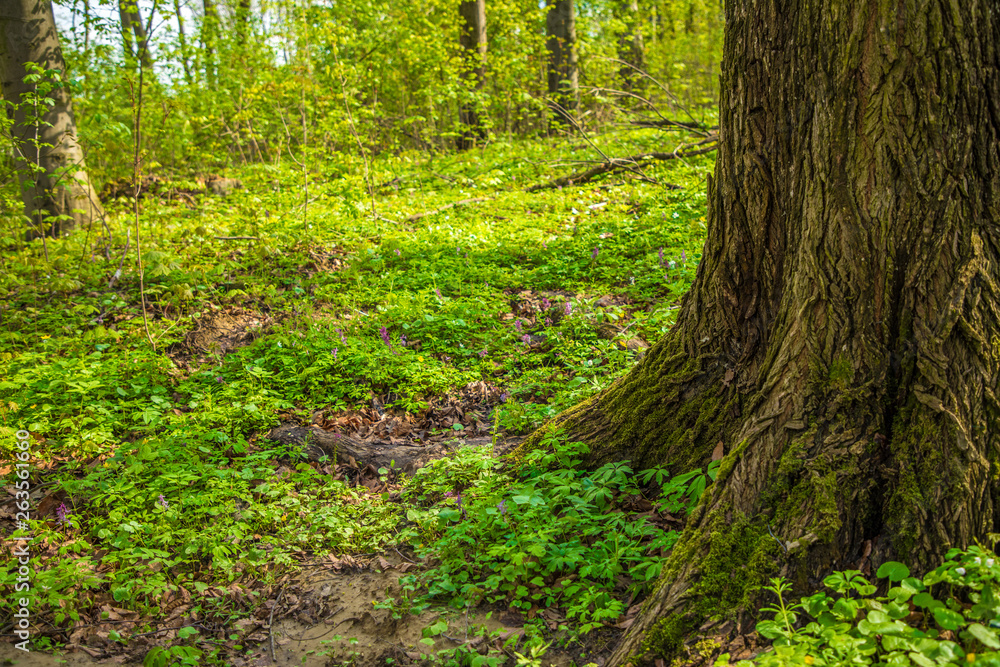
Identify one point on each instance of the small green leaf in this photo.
(894, 570)
(984, 636)
(926, 600)
(946, 618)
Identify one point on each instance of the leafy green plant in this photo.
(549, 536)
(947, 618)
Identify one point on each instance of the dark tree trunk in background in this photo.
(842, 338)
(182, 38)
(243, 21)
(631, 50)
(132, 25)
(210, 37)
(50, 163)
(560, 22)
(473, 41)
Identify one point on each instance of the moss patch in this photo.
(732, 563)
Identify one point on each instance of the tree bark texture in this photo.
(842, 337)
(132, 25)
(50, 162)
(560, 22)
(473, 41)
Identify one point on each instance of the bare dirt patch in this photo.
(219, 332)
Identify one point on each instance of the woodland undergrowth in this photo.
(151, 478)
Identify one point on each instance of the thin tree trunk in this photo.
(86, 27)
(563, 73)
(631, 50)
(473, 41)
(242, 20)
(182, 37)
(131, 24)
(45, 136)
(209, 37)
(842, 337)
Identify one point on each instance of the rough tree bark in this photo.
(842, 337)
(560, 22)
(473, 41)
(131, 24)
(61, 188)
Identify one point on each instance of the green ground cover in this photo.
(150, 461)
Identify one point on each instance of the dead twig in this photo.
(235, 238)
(270, 623)
(118, 272)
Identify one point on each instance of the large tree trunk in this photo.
(55, 187)
(473, 41)
(560, 22)
(842, 338)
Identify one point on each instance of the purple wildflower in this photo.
(341, 334)
(458, 250)
(502, 506)
(569, 309)
(526, 339)
(335, 353)
(402, 339)
(661, 254)
(162, 502)
(397, 252)
(684, 256)
(593, 255)
(62, 515)
(218, 379)
(482, 353)
(449, 494)
(384, 333)
(438, 292)
(504, 397)
(546, 304)
(517, 324)
(545, 246)
(548, 321)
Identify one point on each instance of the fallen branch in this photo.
(623, 164)
(461, 202)
(679, 124)
(235, 238)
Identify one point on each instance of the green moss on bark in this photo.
(731, 563)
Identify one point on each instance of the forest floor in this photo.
(294, 450)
